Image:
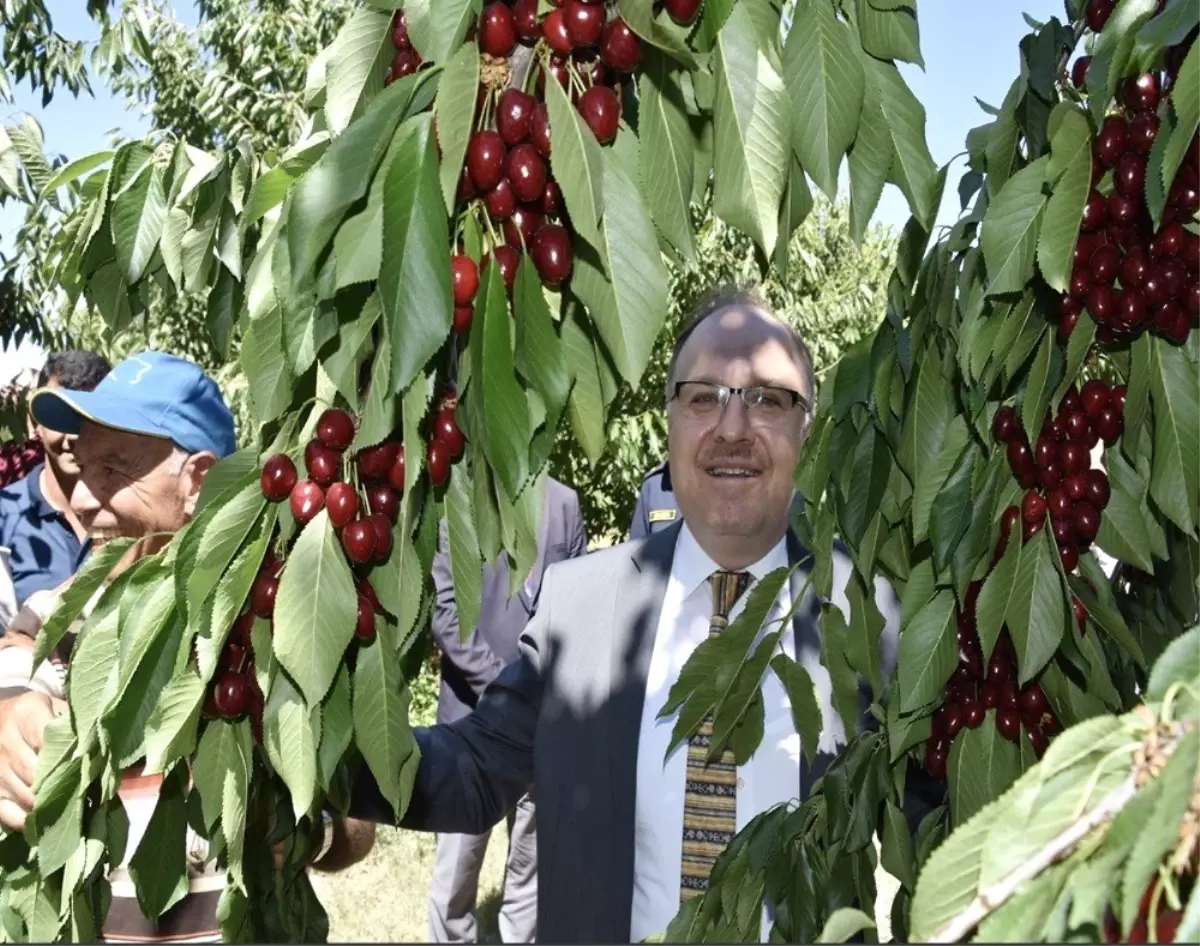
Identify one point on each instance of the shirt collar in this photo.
(692, 566)
(37, 499)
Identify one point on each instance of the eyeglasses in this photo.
(764, 403)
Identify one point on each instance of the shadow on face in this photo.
(59, 447)
(732, 467)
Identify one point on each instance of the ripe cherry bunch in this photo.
(974, 689)
(1056, 472)
(17, 458)
(1130, 277)
(407, 60)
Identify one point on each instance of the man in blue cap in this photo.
(146, 437)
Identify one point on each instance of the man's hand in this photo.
(22, 721)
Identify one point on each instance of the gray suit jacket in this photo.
(469, 666)
(565, 719)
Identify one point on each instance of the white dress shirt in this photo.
(771, 776)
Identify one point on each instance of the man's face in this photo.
(60, 447)
(129, 485)
(732, 468)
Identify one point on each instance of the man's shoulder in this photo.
(19, 494)
(559, 493)
(595, 568)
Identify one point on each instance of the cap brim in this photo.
(63, 411)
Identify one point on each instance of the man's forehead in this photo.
(742, 335)
(98, 440)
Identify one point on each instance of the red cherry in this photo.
(619, 46)
(935, 759)
(374, 462)
(554, 29)
(1135, 267)
(406, 62)
(1095, 212)
(364, 624)
(485, 159)
(1104, 264)
(1030, 529)
(501, 201)
(437, 460)
(1066, 324)
(1130, 175)
(509, 259)
(466, 187)
(445, 429)
(1081, 281)
(1075, 486)
(323, 463)
(1098, 491)
(335, 429)
(1019, 456)
(396, 473)
(1008, 722)
(1122, 211)
(1109, 425)
(1141, 94)
(989, 695)
(242, 627)
(1131, 307)
(231, 694)
(1033, 700)
(1045, 451)
(1155, 288)
(552, 255)
(1076, 424)
(539, 129)
(973, 713)
(525, 19)
(358, 541)
(307, 500)
(1085, 248)
(512, 116)
(1039, 741)
(1142, 132)
(1086, 520)
(1079, 71)
(342, 503)
(1098, 12)
(1033, 507)
(551, 202)
(382, 500)
(1177, 332)
(1058, 503)
(522, 225)
(1111, 141)
(1101, 303)
(1073, 458)
(1049, 477)
(462, 319)
(1070, 401)
(527, 172)
(1081, 611)
(1004, 425)
(556, 68)
(262, 594)
(465, 277)
(952, 719)
(1095, 397)
(683, 12)
(400, 31)
(1117, 397)
(584, 22)
(601, 110)
(497, 30)
(1168, 241)
(1069, 556)
(381, 527)
(278, 478)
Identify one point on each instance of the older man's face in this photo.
(129, 484)
(731, 467)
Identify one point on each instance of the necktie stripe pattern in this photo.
(710, 798)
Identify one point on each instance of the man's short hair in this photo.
(740, 296)
(76, 369)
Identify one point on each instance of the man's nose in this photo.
(734, 421)
(68, 443)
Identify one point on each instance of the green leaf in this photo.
(1124, 528)
(381, 727)
(291, 734)
(1038, 387)
(912, 168)
(414, 279)
(159, 865)
(539, 353)
(934, 476)
(357, 59)
(998, 595)
(982, 765)
(76, 595)
(625, 288)
(739, 715)
(825, 83)
(1185, 102)
(171, 728)
(137, 223)
(73, 170)
(1009, 234)
(1037, 613)
(1078, 348)
(321, 197)
(225, 749)
(586, 402)
(1137, 397)
(803, 697)
(337, 727)
(465, 561)
(93, 670)
(667, 149)
(954, 507)
(235, 794)
(505, 410)
(866, 624)
(928, 652)
(438, 27)
(659, 32)
(210, 545)
(844, 923)
(315, 609)
(576, 162)
(269, 380)
(455, 111)
(897, 856)
(926, 420)
(1070, 149)
(889, 33)
(1175, 473)
(343, 364)
(379, 411)
(870, 161)
(751, 120)
(1176, 664)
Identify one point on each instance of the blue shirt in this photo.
(45, 550)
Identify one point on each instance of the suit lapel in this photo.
(635, 623)
(531, 584)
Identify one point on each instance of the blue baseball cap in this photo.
(150, 393)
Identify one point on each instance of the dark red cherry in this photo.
(485, 159)
(1130, 175)
(497, 30)
(1095, 212)
(1111, 141)
(1104, 264)
(551, 254)
(1141, 94)
(584, 22)
(527, 172)
(278, 478)
(500, 201)
(601, 111)
(358, 541)
(513, 112)
(539, 129)
(342, 503)
(335, 429)
(619, 46)
(307, 500)
(554, 29)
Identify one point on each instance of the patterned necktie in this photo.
(710, 799)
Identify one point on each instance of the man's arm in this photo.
(473, 771)
(474, 660)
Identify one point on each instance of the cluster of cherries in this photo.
(234, 689)
(17, 458)
(1056, 471)
(407, 60)
(974, 689)
(1130, 278)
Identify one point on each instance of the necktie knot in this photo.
(727, 588)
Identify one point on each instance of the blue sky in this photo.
(970, 49)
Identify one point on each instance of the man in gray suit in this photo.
(576, 715)
(468, 667)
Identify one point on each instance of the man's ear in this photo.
(192, 478)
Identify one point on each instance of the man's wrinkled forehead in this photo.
(742, 335)
(120, 448)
